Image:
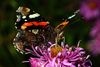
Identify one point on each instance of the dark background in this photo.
(54, 11)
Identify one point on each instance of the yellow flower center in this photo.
(55, 49)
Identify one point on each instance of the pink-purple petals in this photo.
(94, 43)
(68, 57)
(90, 9)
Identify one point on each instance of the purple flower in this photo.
(90, 9)
(61, 56)
(95, 43)
(95, 32)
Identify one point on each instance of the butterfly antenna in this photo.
(75, 13)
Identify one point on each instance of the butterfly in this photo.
(33, 30)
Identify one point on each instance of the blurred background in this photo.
(55, 11)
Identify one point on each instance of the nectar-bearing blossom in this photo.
(61, 56)
(94, 44)
(90, 9)
(95, 31)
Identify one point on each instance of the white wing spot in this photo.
(24, 17)
(34, 15)
(25, 20)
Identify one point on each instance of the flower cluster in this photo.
(90, 10)
(61, 56)
(95, 43)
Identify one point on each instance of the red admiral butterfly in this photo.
(35, 31)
